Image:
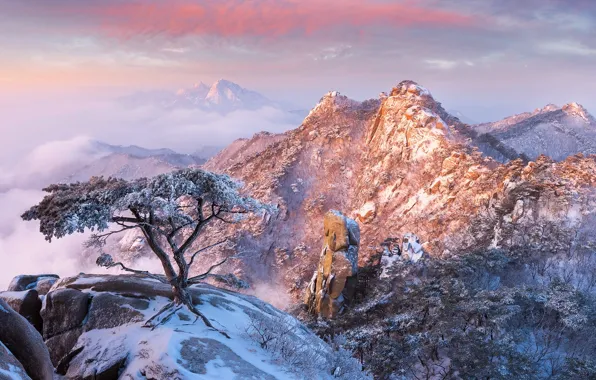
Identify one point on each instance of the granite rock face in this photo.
(20, 340)
(40, 282)
(95, 328)
(333, 284)
(10, 367)
(27, 304)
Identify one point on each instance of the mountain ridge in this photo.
(399, 164)
(556, 131)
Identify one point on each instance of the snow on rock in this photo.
(264, 342)
(42, 283)
(333, 100)
(411, 248)
(20, 339)
(558, 132)
(27, 304)
(367, 212)
(10, 367)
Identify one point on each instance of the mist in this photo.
(28, 122)
(44, 139)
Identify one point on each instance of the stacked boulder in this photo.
(334, 282)
(24, 296)
(23, 354)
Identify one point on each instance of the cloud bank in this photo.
(60, 139)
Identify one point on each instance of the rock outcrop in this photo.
(397, 164)
(41, 283)
(333, 283)
(27, 304)
(93, 325)
(20, 340)
(10, 367)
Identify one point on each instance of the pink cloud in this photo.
(264, 18)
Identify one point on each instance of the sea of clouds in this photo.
(45, 139)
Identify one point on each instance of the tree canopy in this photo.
(170, 209)
(158, 201)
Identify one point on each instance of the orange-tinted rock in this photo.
(336, 231)
(331, 284)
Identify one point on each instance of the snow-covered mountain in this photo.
(463, 118)
(506, 243)
(82, 158)
(400, 164)
(128, 162)
(223, 97)
(558, 132)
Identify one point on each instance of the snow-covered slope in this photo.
(412, 166)
(109, 339)
(558, 132)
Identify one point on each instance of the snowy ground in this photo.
(264, 343)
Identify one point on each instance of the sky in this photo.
(485, 58)
(64, 64)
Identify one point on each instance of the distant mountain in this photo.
(558, 132)
(207, 151)
(93, 158)
(130, 162)
(463, 118)
(223, 97)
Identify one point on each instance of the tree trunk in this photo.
(181, 294)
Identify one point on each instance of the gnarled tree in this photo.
(170, 209)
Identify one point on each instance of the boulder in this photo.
(412, 249)
(336, 231)
(107, 340)
(27, 304)
(10, 367)
(41, 282)
(68, 313)
(44, 285)
(334, 281)
(25, 344)
(63, 313)
(109, 310)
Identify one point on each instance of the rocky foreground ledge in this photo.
(93, 328)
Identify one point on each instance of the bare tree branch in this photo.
(204, 249)
(195, 233)
(99, 240)
(200, 277)
(141, 272)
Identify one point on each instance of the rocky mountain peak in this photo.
(556, 131)
(331, 102)
(409, 88)
(576, 109)
(409, 119)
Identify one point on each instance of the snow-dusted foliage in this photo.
(295, 348)
(171, 210)
(478, 315)
(94, 204)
